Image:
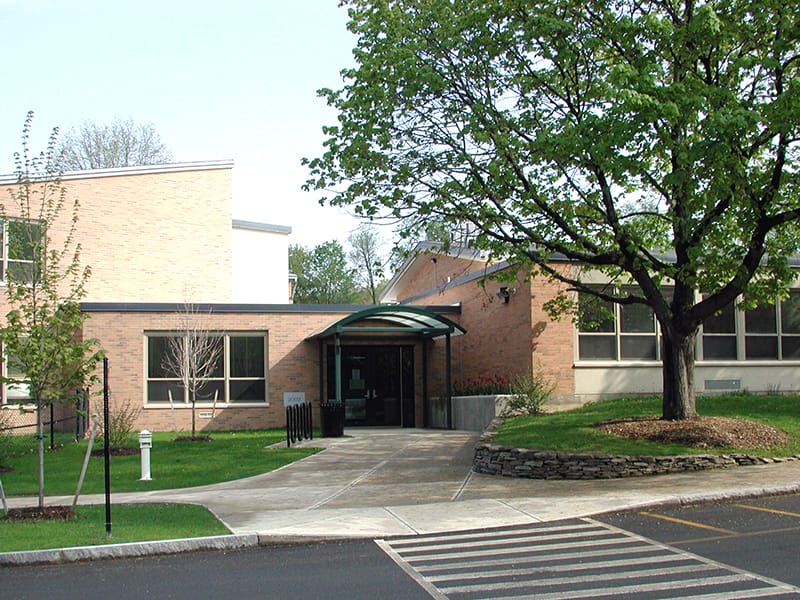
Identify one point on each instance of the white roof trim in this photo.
(256, 226)
(138, 170)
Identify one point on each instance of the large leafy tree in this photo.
(44, 283)
(122, 143)
(323, 274)
(655, 141)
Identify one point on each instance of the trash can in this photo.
(331, 420)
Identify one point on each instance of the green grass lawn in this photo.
(129, 523)
(572, 431)
(229, 456)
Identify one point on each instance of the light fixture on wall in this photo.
(505, 293)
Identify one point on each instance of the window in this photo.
(239, 375)
(615, 332)
(13, 393)
(19, 240)
(761, 333)
(719, 335)
(597, 326)
(790, 326)
(768, 332)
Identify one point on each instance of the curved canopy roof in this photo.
(394, 319)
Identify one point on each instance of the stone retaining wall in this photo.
(492, 459)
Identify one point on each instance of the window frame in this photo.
(226, 380)
(621, 338)
(5, 248)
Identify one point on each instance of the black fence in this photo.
(63, 422)
(299, 424)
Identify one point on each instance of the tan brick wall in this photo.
(292, 364)
(152, 237)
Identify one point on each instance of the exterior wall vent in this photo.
(715, 385)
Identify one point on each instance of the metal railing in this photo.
(299, 424)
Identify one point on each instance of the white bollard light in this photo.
(145, 443)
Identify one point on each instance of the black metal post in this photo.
(106, 449)
(52, 426)
(449, 382)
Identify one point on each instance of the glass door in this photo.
(377, 384)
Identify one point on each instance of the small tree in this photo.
(193, 356)
(42, 343)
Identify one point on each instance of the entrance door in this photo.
(377, 384)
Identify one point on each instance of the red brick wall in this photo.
(434, 271)
(292, 364)
(505, 339)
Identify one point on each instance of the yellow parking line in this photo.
(769, 510)
(688, 523)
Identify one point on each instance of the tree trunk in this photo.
(40, 450)
(194, 429)
(678, 375)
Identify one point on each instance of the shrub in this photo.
(529, 393)
(481, 386)
(121, 419)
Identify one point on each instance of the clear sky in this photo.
(232, 79)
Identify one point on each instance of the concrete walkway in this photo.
(385, 482)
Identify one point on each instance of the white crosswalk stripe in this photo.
(573, 559)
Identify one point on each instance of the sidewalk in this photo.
(385, 482)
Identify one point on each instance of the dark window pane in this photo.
(216, 344)
(637, 347)
(719, 347)
(20, 271)
(761, 347)
(722, 322)
(247, 356)
(248, 391)
(790, 347)
(157, 349)
(760, 320)
(23, 236)
(157, 391)
(205, 392)
(790, 314)
(637, 318)
(595, 347)
(595, 315)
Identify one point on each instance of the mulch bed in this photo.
(117, 451)
(36, 513)
(699, 432)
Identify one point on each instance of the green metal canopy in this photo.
(396, 319)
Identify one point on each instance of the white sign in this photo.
(293, 398)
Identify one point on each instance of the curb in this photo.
(128, 550)
(252, 540)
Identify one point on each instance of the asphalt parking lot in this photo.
(759, 535)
